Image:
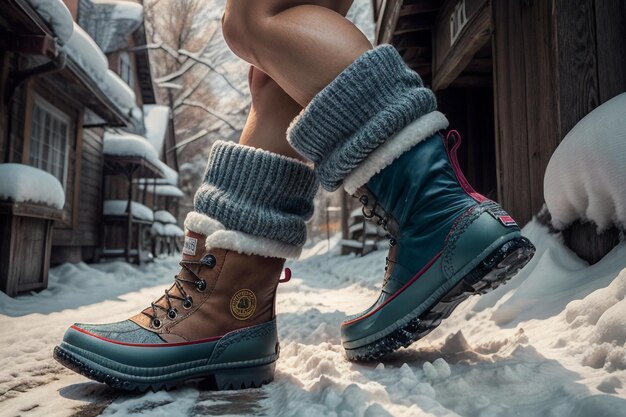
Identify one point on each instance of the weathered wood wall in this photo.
(554, 62)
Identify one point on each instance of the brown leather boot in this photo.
(216, 321)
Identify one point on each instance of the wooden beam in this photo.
(451, 56)
(387, 21)
(412, 7)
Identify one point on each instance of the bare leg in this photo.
(270, 114)
(272, 108)
(302, 45)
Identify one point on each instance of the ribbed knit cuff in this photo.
(257, 192)
(370, 101)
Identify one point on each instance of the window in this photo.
(49, 139)
(126, 69)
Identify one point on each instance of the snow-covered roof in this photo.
(83, 50)
(55, 14)
(26, 184)
(586, 176)
(110, 22)
(173, 230)
(128, 144)
(86, 53)
(164, 216)
(119, 92)
(156, 119)
(118, 208)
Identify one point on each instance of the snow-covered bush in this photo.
(586, 176)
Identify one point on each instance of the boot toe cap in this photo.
(125, 331)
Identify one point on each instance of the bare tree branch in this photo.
(210, 111)
(202, 61)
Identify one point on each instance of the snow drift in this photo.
(586, 175)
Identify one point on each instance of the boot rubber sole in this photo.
(495, 269)
(222, 379)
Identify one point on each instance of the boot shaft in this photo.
(422, 193)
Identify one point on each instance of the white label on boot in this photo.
(190, 245)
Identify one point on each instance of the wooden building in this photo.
(70, 70)
(514, 77)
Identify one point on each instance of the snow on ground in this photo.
(550, 343)
(26, 184)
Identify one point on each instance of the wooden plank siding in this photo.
(554, 62)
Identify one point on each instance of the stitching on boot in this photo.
(458, 227)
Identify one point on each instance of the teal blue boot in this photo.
(447, 243)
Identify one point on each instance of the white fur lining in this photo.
(202, 224)
(218, 237)
(401, 142)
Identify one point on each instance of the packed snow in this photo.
(25, 184)
(129, 144)
(55, 14)
(550, 343)
(118, 208)
(156, 119)
(586, 175)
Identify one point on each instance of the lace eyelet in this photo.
(363, 200)
(156, 323)
(201, 285)
(188, 303)
(171, 314)
(209, 260)
(392, 242)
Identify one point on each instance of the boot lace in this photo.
(381, 220)
(187, 300)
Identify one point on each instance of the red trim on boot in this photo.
(479, 198)
(404, 287)
(210, 339)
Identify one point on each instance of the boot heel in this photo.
(242, 378)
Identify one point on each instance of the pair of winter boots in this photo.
(217, 321)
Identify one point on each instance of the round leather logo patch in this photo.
(243, 304)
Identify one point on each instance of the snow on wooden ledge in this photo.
(118, 208)
(25, 184)
(164, 216)
(156, 119)
(128, 144)
(173, 230)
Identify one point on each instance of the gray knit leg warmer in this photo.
(372, 100)
(254, 201)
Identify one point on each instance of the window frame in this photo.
(47, 107)
(124, 58)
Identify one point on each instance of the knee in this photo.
(238, 28)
